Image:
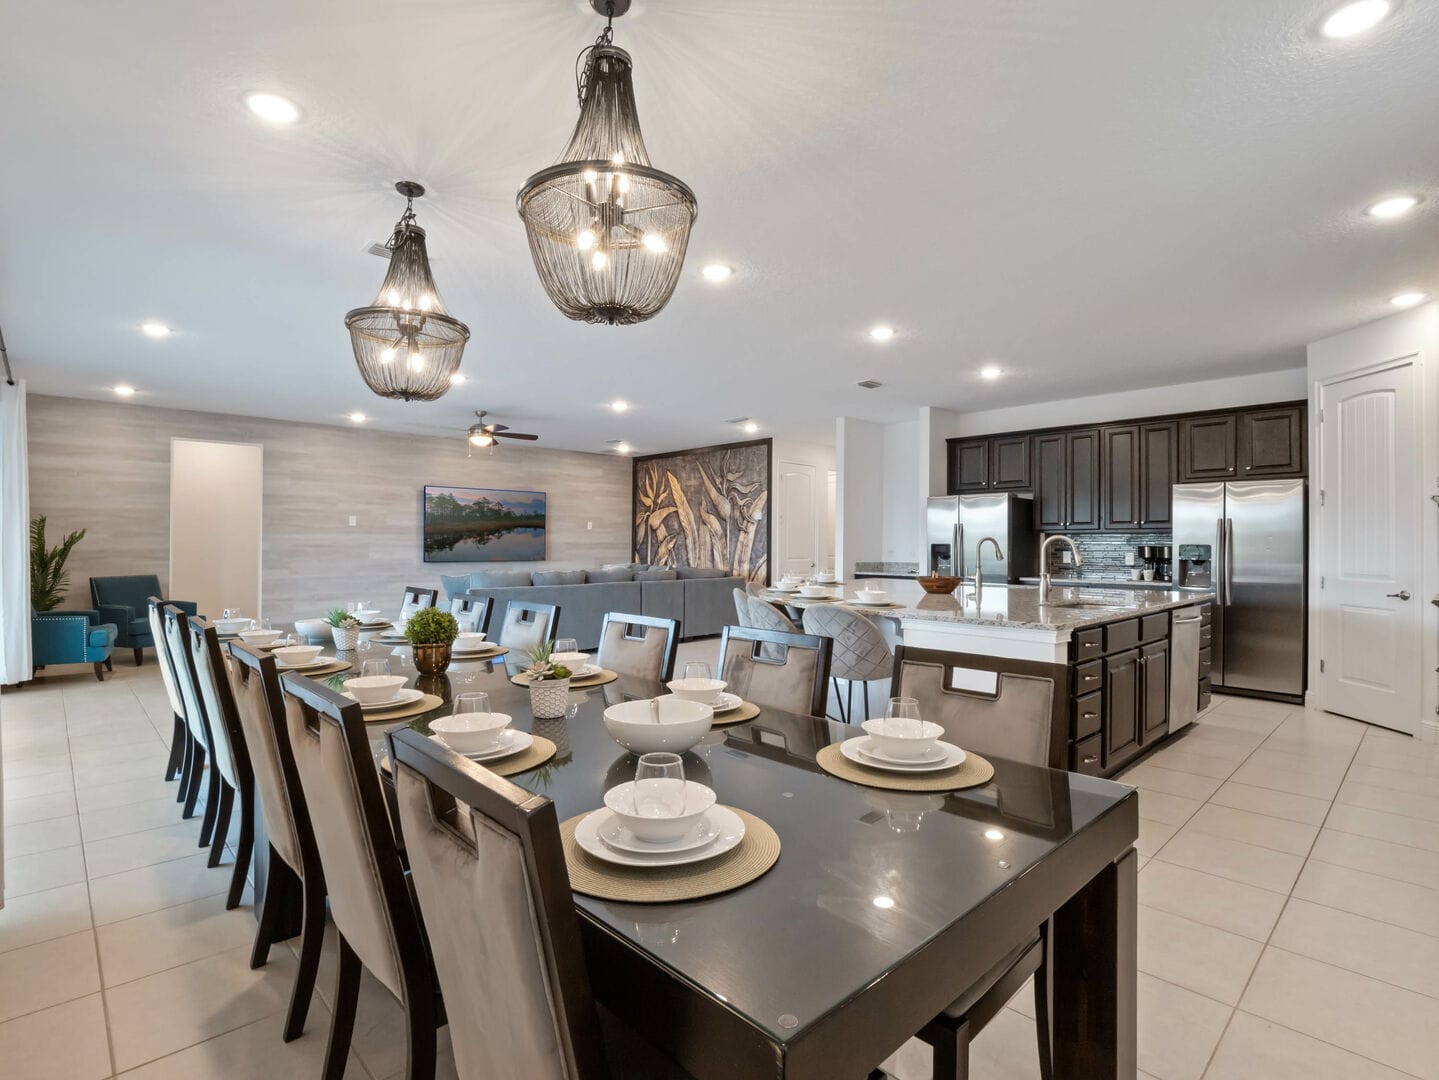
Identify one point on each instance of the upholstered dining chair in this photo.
(417, 598)
(1017, 713)
(775, 670)
(641, 646)
(741, 608)
(122, 601)
(520, 1004)
(182, 666)
(229, 753)
(766, 616)
(370, 902)
(529, 625)
(179, 738)
(861, 653)
(472, 613)
(294, 864)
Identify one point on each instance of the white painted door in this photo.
(1369, 456)
(796, 528)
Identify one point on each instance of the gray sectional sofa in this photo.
(701, 600)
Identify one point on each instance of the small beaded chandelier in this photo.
(607, 230)
(406, 345)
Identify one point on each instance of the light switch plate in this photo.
(1129, 558)
(353, 521)
(1066, 556)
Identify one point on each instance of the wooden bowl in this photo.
(938, 585)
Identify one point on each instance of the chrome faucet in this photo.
(1044, 562)
(979, 567)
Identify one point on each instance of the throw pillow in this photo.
(686, 572)
(558, 577)
(657, 573)
(611, 573)
(499, 579)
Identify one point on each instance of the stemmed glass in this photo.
(660, 786)
(474, 702)
(902, 717)
(697, 669)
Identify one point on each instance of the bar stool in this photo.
(861, 652)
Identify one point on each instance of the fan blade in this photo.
(498, 427)
(515, 435)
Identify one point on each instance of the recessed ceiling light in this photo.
(358, 418)
(622, 448)
(1355, 18)
(993, 834)
(751, 427)
(989, 371)
(716, 272)
(273, 107)
(619, 405)
(124, 391)
(457, 379)
(1409, 299)
(155, 330)
(1396, 206)
(881, 333)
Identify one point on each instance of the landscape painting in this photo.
(483, 525)
(705, 508)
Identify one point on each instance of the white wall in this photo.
(1410, 333)
(902, 493)
(859, 461)
(822, 457)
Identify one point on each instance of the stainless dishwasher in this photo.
(1184, 668)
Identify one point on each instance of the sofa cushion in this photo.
(657, 573)
(687, 572)
(500, 579)
(557, 577)
(611, 573)
(454, 585)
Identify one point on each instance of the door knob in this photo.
(1402, 594)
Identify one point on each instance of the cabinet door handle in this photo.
(1090, 678)
(1088, 715)
(1090, 644)
(1090, 760)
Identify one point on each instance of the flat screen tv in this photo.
(483, 525)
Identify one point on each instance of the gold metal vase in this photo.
(432, 658)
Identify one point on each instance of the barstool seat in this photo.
(862, 654)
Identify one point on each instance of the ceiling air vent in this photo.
(738, 420)
(869, 384)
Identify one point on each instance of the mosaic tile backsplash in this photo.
(1103, 553)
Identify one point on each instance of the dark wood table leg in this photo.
(1095, 974)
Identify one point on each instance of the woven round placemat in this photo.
(494, 654)
(334, 667)
(974, 771)
(745, 711)
(749, 860)
(539, 752)
(404, 712)
(589, 682)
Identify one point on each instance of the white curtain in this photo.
(14, 536)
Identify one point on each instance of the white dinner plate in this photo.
(406, 696)
(585, 671)
(319, 661)
(615, 835)
(731, 832)
(873, 603)
(391, 639)
(852, 749)
(476, 654)
(870, 750)
(510, 742)
(726, 702)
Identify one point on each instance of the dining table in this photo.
(883, 908)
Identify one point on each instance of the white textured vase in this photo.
(346, 637)
(550, 699)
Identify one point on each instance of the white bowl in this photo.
(295, 655)
(231, 626)
(814, 590)
(825, 575)
(313, 629)
(704, 691)
(682, 724)
(469, 733)
(371, 689)
(872, 596)
(367, 614)
(659, 830)
(886, 735)
(259, 637)
(468, 641)
(570, 660)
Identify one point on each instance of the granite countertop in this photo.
(1116, 583)
(1018, 606)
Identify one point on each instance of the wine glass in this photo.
(473, 702)
(697, 669)
(902, 717)
(660, 786)
(566, 645)
(370, 668)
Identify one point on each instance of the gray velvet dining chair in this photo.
(179, 737)
(640, 646)
(182, 666)
(417, 597)
(776, 670)
(472, 613)
(527, 626)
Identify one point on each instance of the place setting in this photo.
(382, 696)
(903, 752)
(471, 645)
(564, 655)
(870, 597)
(308, 660)
(700, 687)
(369, 618)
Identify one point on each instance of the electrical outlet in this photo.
(353, 521)
(1129, 558)
(1066, 557)
(589, 525)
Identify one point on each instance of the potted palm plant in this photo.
(48, 577)
(430, 633)
(345, 628)
(549, 684)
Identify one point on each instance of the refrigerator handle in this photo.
(1218, 563)
(1228, 559)
(958, 561)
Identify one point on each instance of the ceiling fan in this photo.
(482, 434)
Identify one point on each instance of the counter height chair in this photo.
(294, 863)
(417, 598)
(519, 993)
(861, 652)
(775, 670)
(766, 616)
(175, 631)
(370, 901)
(642, 646)
(472, 611)
(741, 608)
(180, 736)
(527, 626)
(1008, 708)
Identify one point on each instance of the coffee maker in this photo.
(1154, 558)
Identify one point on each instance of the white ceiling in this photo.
(1094, 194)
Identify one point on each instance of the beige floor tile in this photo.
(37, 765)
(1208, 961)
(85, 758)
(1215, 901)
(1378, 949)
(1363, 1015)
(64, 1041)
(1153, 835)
(1414, 865)
(134, 766)
(38, 976)
(1277, 779)
(115, 855)
(1183, 759)
(1280, 804)
(1277, 711)
(38, 807)
(177, 1008)
(150, 888)
(133, 817)
(37, 836)
(26, 787)
(1401, 759)
(171, 936)
(1380, 825)
(1186, 785)
(1406, 803)
(1224, 743)
(1261, 830)
(105, 796)
(1391, 779)
(1255, 1049)
(46, 870)
(1178, 1029)
(1315, 763)
(43, 916)
(1398, 902)
(1007, 1049)
(1170, 809)
(1233, 859)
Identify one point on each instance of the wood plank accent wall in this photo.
(105, 467)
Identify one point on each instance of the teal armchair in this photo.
(72, 637)
(124, 601)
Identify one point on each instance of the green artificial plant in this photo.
(48, 579)
(431, 626)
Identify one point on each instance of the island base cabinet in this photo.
(1121, 708)
(1154, 691)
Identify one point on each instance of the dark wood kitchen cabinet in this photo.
(1119, 487)
(1271, 442)
(1049, 482)
(968, 465)
(1207, 447)
(1153, 691)
(1000, 464)
(1121, 708)
(1066, 481)
(1009, 463)
(1139, 470)
(1158, 472)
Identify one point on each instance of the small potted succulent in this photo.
(549, 684)
(345, 629)
(430, 633)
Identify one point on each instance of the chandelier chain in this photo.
(585, 61)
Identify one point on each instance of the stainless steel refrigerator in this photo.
(1245, 540)
(957, 523)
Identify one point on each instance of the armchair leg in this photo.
(139, 657)
(100, 670)
(109, 664)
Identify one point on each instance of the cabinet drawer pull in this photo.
(1088, 715)
(1090, 644)
(1089, 678)
(1090, 760)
